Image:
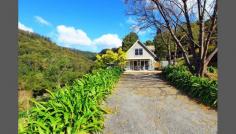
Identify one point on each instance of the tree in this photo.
(111, 58)
(148, 43)
(171, 14)
(129, 40)
(164, 46)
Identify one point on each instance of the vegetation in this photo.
(111, 58)
(171, 15)
(148, 43)
(44, 65)
(203, 89)
(74, 108)
(88, 54)
(129, 40)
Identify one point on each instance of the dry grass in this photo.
(213, 75)
(24, 97)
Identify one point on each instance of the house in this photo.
(140, 57)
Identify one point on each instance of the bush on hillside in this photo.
(201, 88)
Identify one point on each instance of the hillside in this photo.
(44, 65)
(90, 55)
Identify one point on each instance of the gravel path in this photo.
(142, 103)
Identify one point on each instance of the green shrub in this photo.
(201, 88)
(211, 69)
(74, 108)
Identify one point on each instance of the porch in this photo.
(139, 64)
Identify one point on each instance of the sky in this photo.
(85, 25)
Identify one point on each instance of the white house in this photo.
(140, 57)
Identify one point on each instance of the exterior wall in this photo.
(146, 56)
(131, 54)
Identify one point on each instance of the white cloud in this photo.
(72, 37)
(42, 21)
(109, 40)
(193, 7)
(25, 28)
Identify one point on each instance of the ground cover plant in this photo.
(203, 89)
(73, 108)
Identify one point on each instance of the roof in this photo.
(152, 48)
(146, 48)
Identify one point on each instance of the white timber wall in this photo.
(131, 53)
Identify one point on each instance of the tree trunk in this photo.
(206, 62)
(175, 55)
(169, 53)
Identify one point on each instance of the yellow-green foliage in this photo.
(72, 109)
(111, 58)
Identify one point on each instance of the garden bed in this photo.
(203, 89)
(74, 108)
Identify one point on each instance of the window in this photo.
(139, 51)
(136, 51)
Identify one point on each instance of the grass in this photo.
(24, 97)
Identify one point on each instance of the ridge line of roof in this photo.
(146, 48)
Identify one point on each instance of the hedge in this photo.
(74, 108)
(201, 88)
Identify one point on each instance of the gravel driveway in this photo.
(142, 103)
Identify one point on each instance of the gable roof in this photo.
(146, 48)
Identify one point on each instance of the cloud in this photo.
(25, 28)
(108, 40)
(193, 7)
(42, 21)
(69, 36)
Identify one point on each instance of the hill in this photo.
(44, 65)
(90, 55)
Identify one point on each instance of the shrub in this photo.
(211, 69)
(201, 88)
(111, 58)
(74, 108)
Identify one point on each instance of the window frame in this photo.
(138, 51)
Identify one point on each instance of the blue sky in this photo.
(85, 25)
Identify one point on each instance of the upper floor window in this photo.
(139, 51)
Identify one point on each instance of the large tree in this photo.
(129, 40)
(170, 14)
